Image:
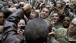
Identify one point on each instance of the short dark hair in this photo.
(66, 16)
(36, 31)
(24, 20)
(46, 8)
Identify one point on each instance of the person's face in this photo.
(21, 26)
(72, 26)
(58, 5)
(55, 17)
(1, 18)
(10, 3)
(32, 15)
(21, 23)
(66, 22)
(44, 13)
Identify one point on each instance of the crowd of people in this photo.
(38, 23)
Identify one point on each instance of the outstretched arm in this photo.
(9, 34)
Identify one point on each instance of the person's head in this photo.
(48, 6)
(21, 26)
(1, 18)
(66, 21)
(22, 22)
(74, 9)
(36, 31)
(33, 15)
(10, 3)
(63, 3)
(5, 4)
(55, 17)
(58, 5)
(72, 26)
(45, 12)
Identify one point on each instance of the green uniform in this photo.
(71, 39)
(62, 36)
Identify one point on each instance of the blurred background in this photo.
(46, 1)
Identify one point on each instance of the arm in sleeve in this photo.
(9, 34)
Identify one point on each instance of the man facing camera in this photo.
(72, 31)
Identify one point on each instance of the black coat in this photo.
(9, 34)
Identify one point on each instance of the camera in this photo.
(22, 27)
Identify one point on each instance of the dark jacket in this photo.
(9, 34)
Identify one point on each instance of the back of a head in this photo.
(36, 31)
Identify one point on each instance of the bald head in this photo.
(74, 21)
(72, 27)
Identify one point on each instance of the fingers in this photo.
(20, 32)
(51, 33)
(52, 22)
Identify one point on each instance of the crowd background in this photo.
(57, 14)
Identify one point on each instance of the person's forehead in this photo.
(55, 14)
(74, 21)
(45, 9)
(22, 20)
(67, 18)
